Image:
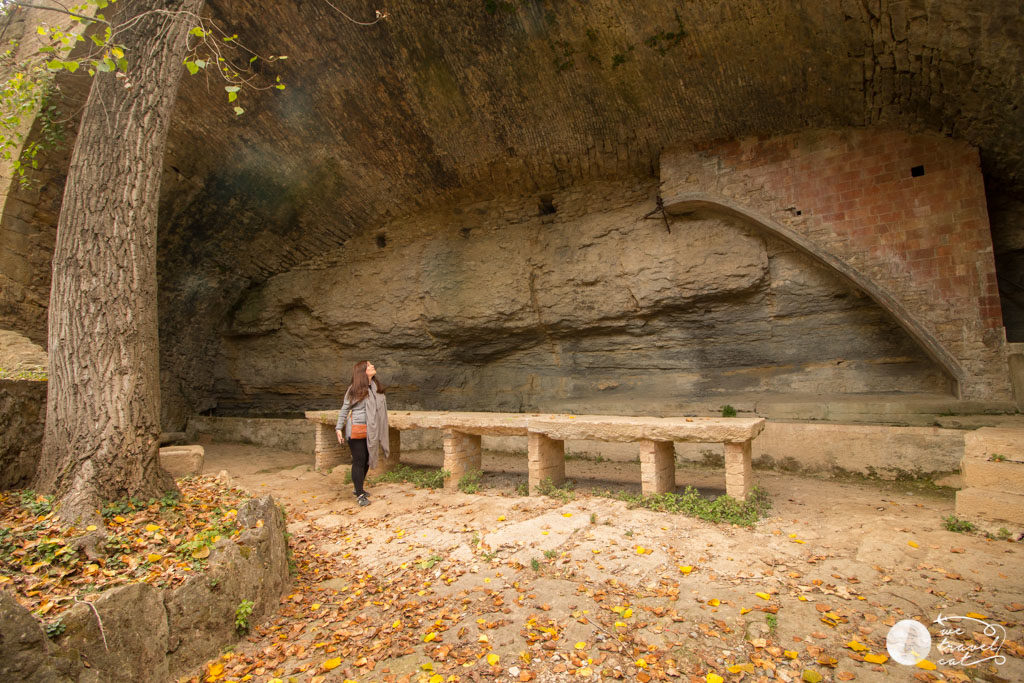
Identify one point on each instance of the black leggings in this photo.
(360, 463)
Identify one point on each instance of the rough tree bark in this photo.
(103, 407)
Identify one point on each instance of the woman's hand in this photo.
(341, 435)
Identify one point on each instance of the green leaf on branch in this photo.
(71, 66)
(192, 67)
(55, 65)
(232, 96)
(201, 63)
(239, 111)
(198, 32)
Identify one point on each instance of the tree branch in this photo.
(59, 10)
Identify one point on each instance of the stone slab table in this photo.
(656, 436)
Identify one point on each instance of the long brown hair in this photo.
(360, 386)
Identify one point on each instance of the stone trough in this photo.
(546, 435)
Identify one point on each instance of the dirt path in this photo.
(433, 585)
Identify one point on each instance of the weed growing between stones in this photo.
(728, 411)
(420, 478)
(242, 614)
(692, 504)
(470, 481)
(564, 491)
(960, 526)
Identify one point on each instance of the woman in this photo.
(367, 430)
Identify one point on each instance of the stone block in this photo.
(182, 461)
(657, 467)
(461, 454)
(991, 505)
(545, 460)
(739, 479)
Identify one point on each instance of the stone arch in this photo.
(682, 204)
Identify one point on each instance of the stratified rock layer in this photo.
(590, 308)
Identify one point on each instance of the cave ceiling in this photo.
(469, 99)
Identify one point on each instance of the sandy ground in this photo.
(427, 583)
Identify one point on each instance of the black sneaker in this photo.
(362, 500)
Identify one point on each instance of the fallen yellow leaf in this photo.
(332, 663)
(567, 514)
(620, 624)
(580, 645)
(792, 654)
(627, 613)
(436, 678)
(119, 519)
(482, 638)
(686, 569)
(713, 678)
(744, 610)
(810, 676)
(641, 663)
(493, 659)
(913, 544)
(763, 596)
(714, 602)
(153, 557)
(201, 553)
(856, 647)
(925, 664)
(152, 527)
(91, 527)
(975, 615)
(737, 668)
(430, 636)
(876, 659)
(501, 518)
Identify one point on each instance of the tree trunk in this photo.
(103, 406)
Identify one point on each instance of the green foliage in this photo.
(429, 562)
(25, 92)
(551, 554)
(1003, 533)
(593, 518)
(36, 504)
(31, 375)
(772, 621)
(470, 481)
(563, 492)
(997, 457)
(420, 478)
(535, 564)
(523, 488)
(692, 504)
(55, 628)
(242, 614)
(960, 526)
(663, 41)
(728, 411)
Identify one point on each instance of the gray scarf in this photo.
(376, 425)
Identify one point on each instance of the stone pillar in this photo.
(739, 477)
(328, 452)
(461, 454)
(657, 467)
(546, 460)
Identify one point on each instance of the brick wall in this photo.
(919, 243)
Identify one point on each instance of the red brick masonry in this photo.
(920, 246)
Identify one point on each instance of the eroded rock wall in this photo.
(571, 301)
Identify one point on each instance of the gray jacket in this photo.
(373, 412)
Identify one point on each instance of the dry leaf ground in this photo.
(432, 585)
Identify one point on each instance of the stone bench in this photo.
(546, 435)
